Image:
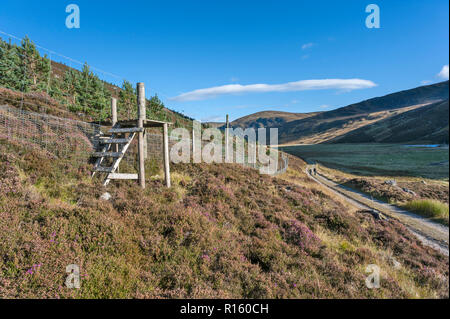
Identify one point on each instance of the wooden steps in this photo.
(126, 130)
(107, 154)
(117, 156)
(115, 141)
(122, 176)
(104, 169)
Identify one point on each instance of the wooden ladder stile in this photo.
(117, 160)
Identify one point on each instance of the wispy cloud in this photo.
(305, 85)
(444, 72)
(425, 82)
(325, 106)
(307, 45)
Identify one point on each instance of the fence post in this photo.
(141, 118)
(114, 120)
(227, 154)
(113, 111)
(193, 142)
(166, 155)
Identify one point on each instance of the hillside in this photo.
(269, 119)
(297, 128)
(428, 124)
(221, 231)
(34, 82)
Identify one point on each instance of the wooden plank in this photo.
(115, 141)
(104, 169)
(126, 130)
(123, 176)
(107, 154)
(146, 123)
(99, 160)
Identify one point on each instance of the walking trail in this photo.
(429, 232)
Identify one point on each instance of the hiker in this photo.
(315, 171)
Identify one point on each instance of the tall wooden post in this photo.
(193, 142)
(113, 111)
(114, 122)
(196, 142)
(166, 155)
(227, 152)
(141, 118)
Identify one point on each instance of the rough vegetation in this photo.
(220, 231)
(429, 208)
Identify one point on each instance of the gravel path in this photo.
(429, 232)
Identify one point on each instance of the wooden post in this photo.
(114, 118)
(196, 142)
(113, 111)
(227, 153)
(166, 155)
(114, 122)
(141, 118)
(193, 142)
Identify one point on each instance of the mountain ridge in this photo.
(320, 127)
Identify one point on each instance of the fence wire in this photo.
(77, 140)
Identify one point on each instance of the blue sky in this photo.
(177, 47)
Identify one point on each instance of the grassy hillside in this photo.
(428, 124)
(220, 231)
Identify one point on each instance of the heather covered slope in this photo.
(220, 231)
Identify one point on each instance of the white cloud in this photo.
(305, 85)
(425, 82)
(307, 46)
(444, 72)
(325, 106)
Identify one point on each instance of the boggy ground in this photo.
(221, 231)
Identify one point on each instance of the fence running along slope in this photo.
(77, 140)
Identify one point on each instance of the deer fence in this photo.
(77, 140)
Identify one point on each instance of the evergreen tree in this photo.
(10, 72)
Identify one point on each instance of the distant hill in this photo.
(299, 128)
(427, 124)
(269, 119)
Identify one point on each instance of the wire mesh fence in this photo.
(59, 136)
(77, 140)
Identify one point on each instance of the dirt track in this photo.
(430, 233)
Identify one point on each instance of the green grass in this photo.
(377, 159)
(429, 208)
